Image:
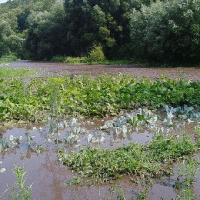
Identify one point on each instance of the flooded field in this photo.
(36, 150)
(57, 145)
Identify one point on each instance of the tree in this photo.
(46, 35)
(167, 32)
(99, 21)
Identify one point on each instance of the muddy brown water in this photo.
(138, 70)
(49, 177)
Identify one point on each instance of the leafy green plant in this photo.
(19, 190)
(96, 55)
(103, 96)
(7, 59)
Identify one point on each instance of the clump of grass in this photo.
(187, 171)
(7, 59)
(77, 60)
(151, 160)
(6, 72)
(71, 60)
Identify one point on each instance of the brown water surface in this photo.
(138, 70)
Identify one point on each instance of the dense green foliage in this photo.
(105, 95)
(13, 24)
(46, 36)
(147, 30)
(167, 32)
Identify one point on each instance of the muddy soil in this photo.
(138, 70)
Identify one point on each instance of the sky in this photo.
(3, 1)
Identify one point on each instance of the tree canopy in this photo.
(165, 31)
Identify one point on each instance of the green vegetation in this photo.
(6, 72)
(71, 60)
(24, 99)
(7, 59)
(103, 96)
(96, 55)
(19, 190)
(187, 170)
(126, 30)
(152, 160)
(172, 37)
(86, 60)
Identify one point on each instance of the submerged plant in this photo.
(29, 138)
(11, 142)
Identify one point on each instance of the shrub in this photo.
(58, 59)
(96, 55)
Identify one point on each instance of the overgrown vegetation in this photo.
(87, 60)
(6, 72)
(7, 59)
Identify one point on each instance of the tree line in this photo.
(147, 30)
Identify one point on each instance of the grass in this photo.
(6, 72)
(85, 60)
(151, 160)
(71, 60)
(7, 59)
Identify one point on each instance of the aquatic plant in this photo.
(96, 137)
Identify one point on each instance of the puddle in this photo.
(49, 177)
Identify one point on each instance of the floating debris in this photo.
(2, 170)
(34, 129)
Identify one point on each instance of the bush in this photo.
(96, 55)
(58, 59)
